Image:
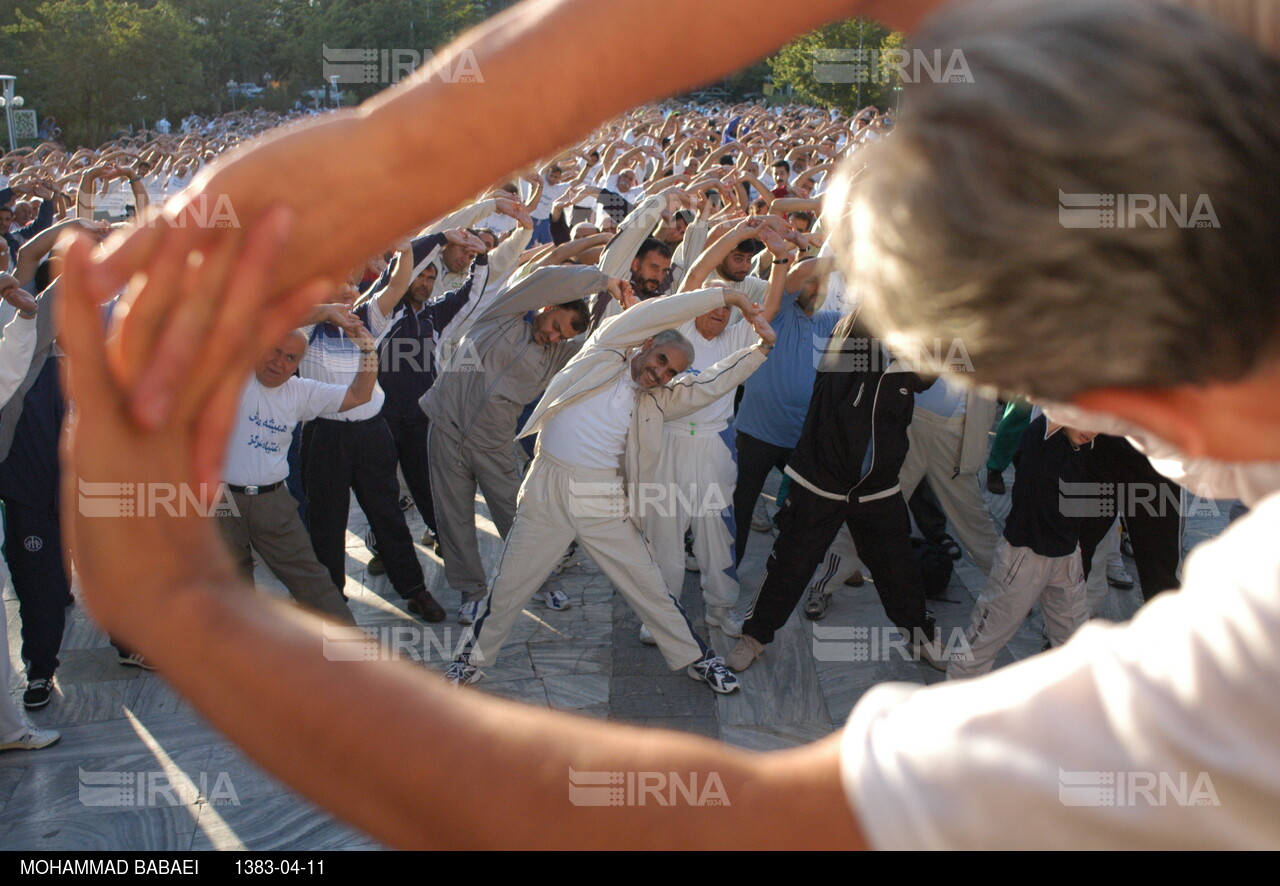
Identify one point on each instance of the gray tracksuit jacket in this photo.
(498, 368)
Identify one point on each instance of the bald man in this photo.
(264, 517)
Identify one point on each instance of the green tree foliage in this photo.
(103, 65)
(840, 65)
(97, 64)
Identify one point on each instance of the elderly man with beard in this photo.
(600, 426)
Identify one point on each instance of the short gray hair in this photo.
(675, 339)
(955, 232)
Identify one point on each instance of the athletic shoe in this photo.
(431, 542)
(461, 673)
(747, 651)
(32, 740)
(469, 612)
(691, 563)
(711, 670)
(950, 546)
(569, 559)
(555, 600)
(722, 617)
(995, 483)
(376, 566)
(760, 519)
(646, 636)
(1119, 577)
(134, 660)
(856, 580)
(38, 693)
(425, 607)
(815, 608)
(406, 502)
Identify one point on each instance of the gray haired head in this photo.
(675, 339)
(1008, 210)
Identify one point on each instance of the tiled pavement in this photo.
(587, 660)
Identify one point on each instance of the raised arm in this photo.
(784, 256)
(31, 253)
(717, 252)
(360, 390)
(398, 283)
(404, 141)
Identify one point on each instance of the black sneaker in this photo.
(38, 693)
(376, 566)
(406, 503)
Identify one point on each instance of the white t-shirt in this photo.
(1164, 733)
(592, 433)
(258, 452)
(550, 194)
(734, 337)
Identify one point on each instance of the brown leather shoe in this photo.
(856, 580)
(425, 607)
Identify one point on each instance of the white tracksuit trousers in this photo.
(693, 487)
(1018, 578)
(560, 503)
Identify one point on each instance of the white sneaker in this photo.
(691, 563)
(462, 673)
(646, 636)
(711, 670)
(760, 520)
(469, 612)
(32, 740)
(722, 617)
(1119, 577)
(555, 600)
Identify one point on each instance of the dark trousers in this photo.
(341, 457)
(925, 507)
(33, 546)
(268, 524)
(410, 433)
(756, 459)
(1155, 529)
(807, 525)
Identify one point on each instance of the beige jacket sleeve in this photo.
(639, 324)
(690, 392)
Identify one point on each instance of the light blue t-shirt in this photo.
(777, 394)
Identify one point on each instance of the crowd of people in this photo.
(607, 306)
(657, 309)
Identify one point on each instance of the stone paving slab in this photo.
(586, 660)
